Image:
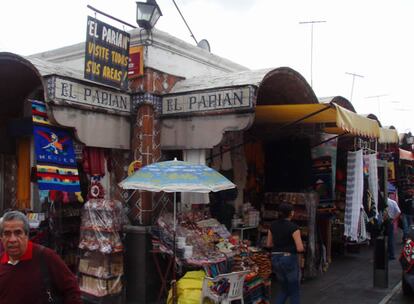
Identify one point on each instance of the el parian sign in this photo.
(232, 99)
(76, 93)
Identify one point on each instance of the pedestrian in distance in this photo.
(31, 273)
(392, 215)
(285, 240)
(407, 212)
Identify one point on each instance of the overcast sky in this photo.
(372, 38)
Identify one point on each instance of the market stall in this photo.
(193, 240)
(205, 244)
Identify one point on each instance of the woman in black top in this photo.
(285, 240)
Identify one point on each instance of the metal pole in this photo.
(311, 61)
(109, 16)
(353, 81)
(312, 55)
(352, 88)
(186, 24)
(378, 102)
(174, 280)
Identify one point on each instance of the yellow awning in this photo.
(343, 120)
(388, 136)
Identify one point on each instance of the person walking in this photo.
(31, 273)
(285, 240)
(407, 212)
(393, 213)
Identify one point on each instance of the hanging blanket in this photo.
(55, 156)
(39, 114)
(354, 194)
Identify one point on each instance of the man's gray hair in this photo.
(15, 215)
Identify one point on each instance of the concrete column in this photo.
(197, 156)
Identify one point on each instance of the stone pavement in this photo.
(349, 280)
(398, 298)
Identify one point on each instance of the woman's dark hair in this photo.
(285, 209)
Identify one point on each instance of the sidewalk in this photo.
(349, 280)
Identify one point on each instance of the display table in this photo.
(242, 229)
(164, 274)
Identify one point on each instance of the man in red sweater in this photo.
(22, 279)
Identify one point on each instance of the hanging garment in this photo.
(373, 178)
(94, 161)
(23, 173)
(354, 194)
(362, 229)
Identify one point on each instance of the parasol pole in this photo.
(174, 280)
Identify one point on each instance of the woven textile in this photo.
(354, 194)
(55, 156)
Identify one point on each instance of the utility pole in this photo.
(353, 80)
(378, 102)
(311, 61)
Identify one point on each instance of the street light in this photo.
(148, 14)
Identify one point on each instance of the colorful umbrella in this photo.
(177, 176)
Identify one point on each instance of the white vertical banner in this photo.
(354, 194)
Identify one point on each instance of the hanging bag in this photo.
(51, 296)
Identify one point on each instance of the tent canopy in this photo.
(388, 136)
(337, 119)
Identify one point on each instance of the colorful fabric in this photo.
(407, 255)
(58, 178)
(39, 114)
(53, 146)
(55, 155)
(94, 161)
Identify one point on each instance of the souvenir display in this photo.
(207, 244)
(101, 262)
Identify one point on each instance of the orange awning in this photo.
(343, 120)
(406, 155)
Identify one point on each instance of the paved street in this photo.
(399, 298)
(349, 280)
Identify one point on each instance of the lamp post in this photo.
(311, 61)
(148, 14)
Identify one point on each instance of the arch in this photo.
(374, 117)
(284, 86)
(340, 101)
(19, 78)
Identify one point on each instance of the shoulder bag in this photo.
(51, 296)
